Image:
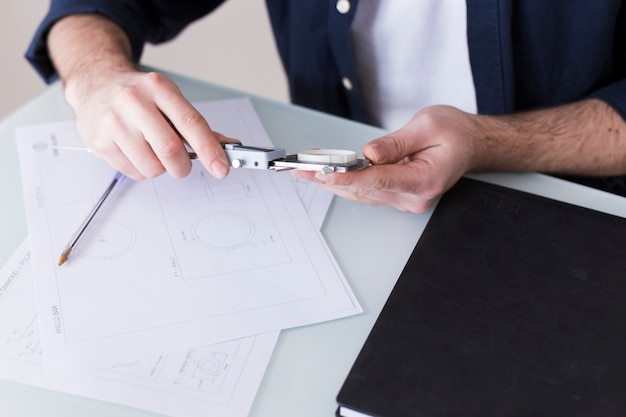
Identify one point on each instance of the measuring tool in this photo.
(323, 160)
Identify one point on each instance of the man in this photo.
(546, 78)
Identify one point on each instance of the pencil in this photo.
(92, 214)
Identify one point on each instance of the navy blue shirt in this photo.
(524, 54)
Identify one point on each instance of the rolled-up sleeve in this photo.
(615, 95)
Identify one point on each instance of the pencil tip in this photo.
(64, 256)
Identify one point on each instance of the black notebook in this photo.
(511, 305)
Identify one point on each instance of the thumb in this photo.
(388, 149)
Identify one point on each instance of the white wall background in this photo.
(232, 47)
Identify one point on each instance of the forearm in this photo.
(86, 47)
(585, 138)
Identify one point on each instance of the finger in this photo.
(422, 132)
(140, 131)
(118, 160)
(348, 189)
(150, 143)
(225, 139)
(126, 167)
(165, 143)
(400, 201)
(415, 177)
(392, 148)
(302, 174)
(345, 191)
(107, 146)
(193, 128)
(377, 177)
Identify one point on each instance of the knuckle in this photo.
(191, 117)
(169, 149)
(156, 80)
(109, 119)
(126, 94)
(430, 121)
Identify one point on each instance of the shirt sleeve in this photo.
(143, 21)
(614, 95)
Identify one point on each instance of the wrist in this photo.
(81, 85)
(88, 49)
(489, 137)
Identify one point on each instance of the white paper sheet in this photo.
(220, 379)
(170, 263)
(316, 200)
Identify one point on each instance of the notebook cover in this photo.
(511, 304)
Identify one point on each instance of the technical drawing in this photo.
(214, 193)
(106, 239)
(24, 342)
(210, 368)
(227, 227)
(223, 230)
(207, 368)
(227, 192)
(148, 369)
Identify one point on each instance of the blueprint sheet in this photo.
(207, 380)
(169, 263)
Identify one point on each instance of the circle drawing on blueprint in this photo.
(223, 230)
(106, 239)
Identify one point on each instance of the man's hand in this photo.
(138, 122)
(411, 166)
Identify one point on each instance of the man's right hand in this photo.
(138, 122)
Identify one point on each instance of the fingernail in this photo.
(377, 152)
(219, 169)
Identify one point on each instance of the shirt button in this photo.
(347, 84)
(343, 6)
